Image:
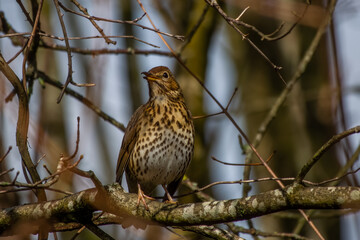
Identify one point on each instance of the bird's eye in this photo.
(165, 75)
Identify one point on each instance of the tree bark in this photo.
(79, 207)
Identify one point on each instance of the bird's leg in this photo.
(170, 199)
(142, 196)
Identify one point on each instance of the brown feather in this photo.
(128, 143)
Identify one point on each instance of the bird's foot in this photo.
(169, 200)
(142, 196)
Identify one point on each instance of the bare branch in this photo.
(194, 29)
(212, 232)
(100, 30)
(94, 52)
(6, 172)
(241, 164)
(133, 22)
(23, 9)
(30, 42)
(269, 37)
(68, 50)
(242, 13)
(5, 155)
(77, 142)
(83, 100)
(229, 20)
(307, 167)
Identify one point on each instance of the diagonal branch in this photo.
(83, 100)
(25, 12)
(100, 30)
(307, 167)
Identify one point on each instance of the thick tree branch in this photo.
(79, 207)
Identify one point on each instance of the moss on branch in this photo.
(79, 207)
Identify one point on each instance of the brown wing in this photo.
(130, 137)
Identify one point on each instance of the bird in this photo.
(158, 142)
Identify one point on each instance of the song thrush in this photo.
(159, 139)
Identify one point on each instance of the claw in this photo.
(142, 196)
(170, 199)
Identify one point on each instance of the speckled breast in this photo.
(165, 145)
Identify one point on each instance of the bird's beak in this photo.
(149, 76)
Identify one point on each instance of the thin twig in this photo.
(78, 233)
(94, 52)
(89, 174)
(15, 56)
(218, 113)
(29, 43)
(68, 50)
(23, 9)
(254, 232)
(77, 141)
(231, 98)
(100, 30)
(194, 29)
(6, 172)
(83, 100)
(242, 164)
(94, 37)
(349, 163)
(38, 161)
(5, 155)
(16, 176)
(133, 22)
(207, 115)
(269, 37)
(336, 179)
(61, 167)
(76, 38)
(32, 188)
(230, 21)
(6, 28)
(47, 169)
(242, 13)
(16, 34)
(212, 231)
(306, 168)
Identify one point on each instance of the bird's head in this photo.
(162, 83)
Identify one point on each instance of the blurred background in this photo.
(323, 102)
